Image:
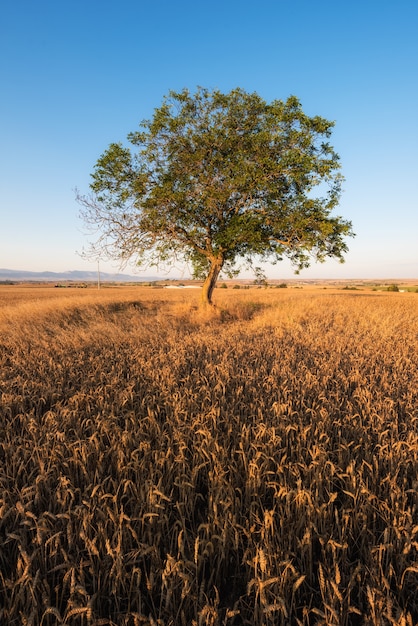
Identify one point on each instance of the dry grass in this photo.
(259, 467)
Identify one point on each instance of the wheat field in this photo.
(163, 467)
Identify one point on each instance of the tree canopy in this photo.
(220, 179)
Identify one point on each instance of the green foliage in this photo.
(216, 179)
(393, 287)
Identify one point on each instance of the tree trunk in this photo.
(210, 282)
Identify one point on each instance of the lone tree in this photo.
(218, 179)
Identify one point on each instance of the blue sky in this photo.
(77, 75)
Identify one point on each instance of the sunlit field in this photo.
(164, 466)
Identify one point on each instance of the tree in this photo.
(218, 179)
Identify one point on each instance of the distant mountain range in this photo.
(73, 276)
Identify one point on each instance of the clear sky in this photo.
(76, 75)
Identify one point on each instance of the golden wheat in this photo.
(160, 466)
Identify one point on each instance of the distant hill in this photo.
(73, 276)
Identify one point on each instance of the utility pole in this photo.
(98, 274)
